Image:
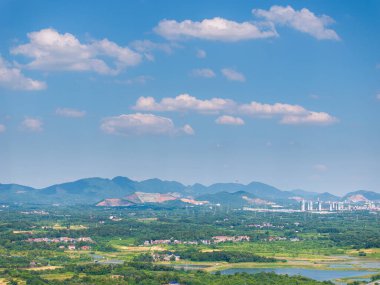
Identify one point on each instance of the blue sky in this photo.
(282, 92)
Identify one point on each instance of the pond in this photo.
(320, 275)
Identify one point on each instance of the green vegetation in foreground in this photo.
(302, 239)
(150, 274)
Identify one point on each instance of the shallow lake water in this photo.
(321, 275)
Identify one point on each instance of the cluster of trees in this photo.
(14, 261)
(227, 256)
(368, 238)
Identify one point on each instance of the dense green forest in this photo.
(227, 256)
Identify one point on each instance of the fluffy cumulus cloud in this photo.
(217, 29)
(286, 113)
(302, 20)
(142, 124)
(309, 118)
(50, 50)
(32, 125)
(260, 109)
(203, 72)
(290, 114)
(229, 120)
(11, 77)
(2, 128)
(233, 75)
(183, 102)
(70, 113)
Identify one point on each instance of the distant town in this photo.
(321, 207)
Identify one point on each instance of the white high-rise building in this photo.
(303, 206)
(310, 208)
(319, 206)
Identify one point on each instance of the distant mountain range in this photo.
(98, 190)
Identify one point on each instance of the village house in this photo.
(61, 239)
(165, 257)
(218, 239)
(160, 241)
(274, 238)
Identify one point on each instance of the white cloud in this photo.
(320, 167)
(233, 75)
(311, 118)
(142, 124)
(286, 113)
(303, 20)
(229, 120)
(2, 128)
(32, 124)
(183, 102)
(259, 109)
(218, 29)
(12, 78)
(378, 96)
(71, 113)
(51, 50)
(203, 72)
(201, 53)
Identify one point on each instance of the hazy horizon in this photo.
(185, 184)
